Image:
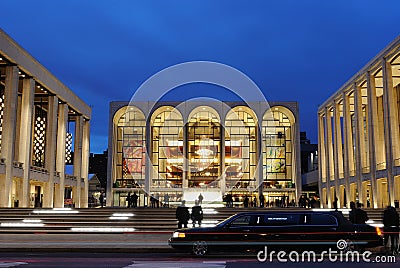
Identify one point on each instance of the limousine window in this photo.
(281, 219)
(321, 219)
(241, 221)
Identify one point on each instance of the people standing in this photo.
(200, 199)
(335, 203)
(262, 198)
(255, 202)
(197, 213)
(246, 201)
(128, 199)
(391, 229)
(166, 200)
(152, 201)
(134, 198)
(352, 216)
(101, 199)
(361, 216)
(182, 215)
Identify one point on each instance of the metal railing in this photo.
(40, 169)
(381, 166)
(365, 170)
(18, 164)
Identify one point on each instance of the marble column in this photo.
(60, 158)
(372, 135)
(391, 126)
(338, 154)
(321, 160)
(296, 159)
(329, 155)
(9, 132)
(348, 146)
(359, 122)
(78, 159)
(25, 148)
(50, 150)
(85, 162)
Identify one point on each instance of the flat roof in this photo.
(15, 54)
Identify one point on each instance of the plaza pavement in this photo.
(128, 242)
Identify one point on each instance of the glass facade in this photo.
(277, 151)
(167, 148)
(131, 149)
(204, 146)
(240, 148)
(210, 151)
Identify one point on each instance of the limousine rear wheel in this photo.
(200, 248)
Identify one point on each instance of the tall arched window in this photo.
(277, 151)
(130, 149)
(167, 148)
(204, 136)
(240, 148)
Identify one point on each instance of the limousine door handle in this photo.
(246, 230)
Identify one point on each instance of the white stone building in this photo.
(36, 114)
(359, 136)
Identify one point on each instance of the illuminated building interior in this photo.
(203, 150)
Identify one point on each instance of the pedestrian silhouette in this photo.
(391, 229)
(361, 216)
(197, 213)
(101, 199)
(128, 199)
(200, 199)
(134, 199)
(352, 216)
(262, 199)
(246, 201)
(182, 215)
(166, 200)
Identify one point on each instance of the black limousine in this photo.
(255, 230)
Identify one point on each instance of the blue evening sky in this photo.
(294, 50)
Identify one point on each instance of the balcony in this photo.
(365, 170)
(381, 166)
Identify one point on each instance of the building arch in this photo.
(240, 152)
(167, 157)
(129, 148)
(204, 147)
(278, 154)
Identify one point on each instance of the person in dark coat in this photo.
(197, 214)
(352, 213)
(128, 199)
(360, 215)
(200, 199)
(246, 201)
(182, 215)
(262, 199)
(134, 199)
(391, 228)
(101, 199)
(335, 203)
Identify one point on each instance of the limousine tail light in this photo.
(378, 231)
(178, 235)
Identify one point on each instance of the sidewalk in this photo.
(129, 242)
